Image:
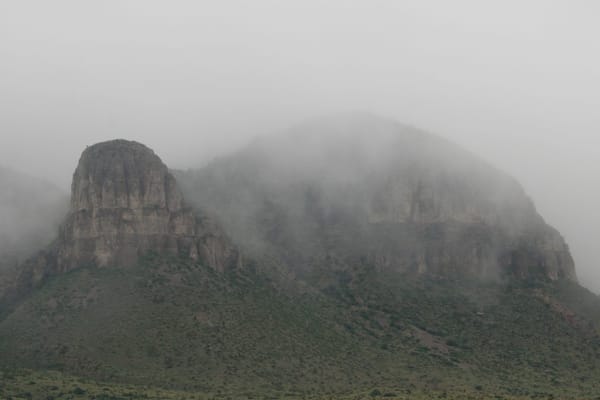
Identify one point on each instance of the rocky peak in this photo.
(125, 203)
(123, 174)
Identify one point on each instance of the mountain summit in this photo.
(124, 203)
(348, 190)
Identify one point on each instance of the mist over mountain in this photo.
(302, 200)
(351, 256)
(30, 212)
(358, 187)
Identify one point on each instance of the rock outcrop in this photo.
(124, 204)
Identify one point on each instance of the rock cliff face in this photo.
(125, 203)
(340, 192)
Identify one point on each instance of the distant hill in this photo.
(351, 258)
(30, 210)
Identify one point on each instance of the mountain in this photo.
(349, 258)
(124, 204)
(361, 189)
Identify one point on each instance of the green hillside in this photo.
(182, 327)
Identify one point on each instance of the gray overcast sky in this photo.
(517, 82)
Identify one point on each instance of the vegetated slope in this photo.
(30, 210)
(176, 324)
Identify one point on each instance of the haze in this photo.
(516, 82)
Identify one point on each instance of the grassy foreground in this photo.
(52, 385)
